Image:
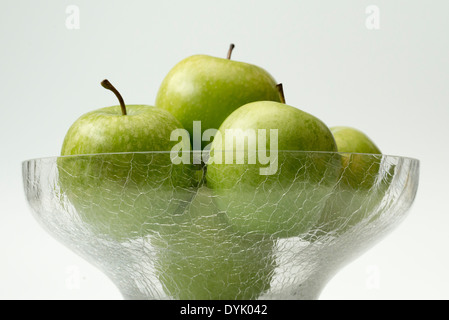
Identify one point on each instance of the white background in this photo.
(392, 83)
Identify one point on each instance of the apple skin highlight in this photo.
(252, 201)
(208, 89)
(121, 190)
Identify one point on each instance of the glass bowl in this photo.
(161, 228)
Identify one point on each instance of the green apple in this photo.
(359, 190)
(284, 194)
(208, 89)
(353, 140)
(203, 259)
(118, 188)
(359, 171)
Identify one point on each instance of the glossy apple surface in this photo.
(208, 89)
(288, 201)
(117, 188)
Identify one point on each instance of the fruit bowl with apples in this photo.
(167, 233)
(268, 205)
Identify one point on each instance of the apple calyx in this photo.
(281, 92)
(107, 85)
(231, 47)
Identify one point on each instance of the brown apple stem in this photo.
(281, 92)
(231, 47)
(107, 85)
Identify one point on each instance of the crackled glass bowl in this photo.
(165, 229)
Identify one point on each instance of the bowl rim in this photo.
(200, 151)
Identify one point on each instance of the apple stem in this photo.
(281, 92)
(107, 85)
(231, 47)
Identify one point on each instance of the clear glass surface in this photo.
(161, 230)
